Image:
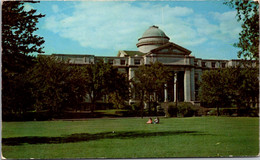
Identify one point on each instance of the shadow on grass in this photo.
(80, 137)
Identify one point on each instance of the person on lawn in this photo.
(150, 121)
(156, 120)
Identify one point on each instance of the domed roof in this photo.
(152, 38)
(154, 31)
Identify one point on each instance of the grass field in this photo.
(132, 137)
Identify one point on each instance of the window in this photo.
(137, 61)
(195, 63)
(203, 64)
(213, 64)
(110, 61)
(122, 62)
(223, 65)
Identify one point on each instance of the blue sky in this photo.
(207, 28)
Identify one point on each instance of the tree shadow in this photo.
(81, 137)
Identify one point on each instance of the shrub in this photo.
(187, 109)
(212, 112)
(254, 112)
(183, 109)
(228, 111)
(173, 110)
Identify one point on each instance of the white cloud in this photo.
(118, 25)
(55, 8)
(27, 7)
(229, 28)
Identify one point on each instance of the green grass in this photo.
(132, 137)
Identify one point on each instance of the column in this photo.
(192, 83)
(131, 73)
(175, 87)
(130, 76)
(165, 93)
(187, 86)
(199, 74)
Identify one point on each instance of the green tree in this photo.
(149, 81)
(213, 89)
(103, 79)
(249, 87)
(233, 86)
(56, 84)
(18, 40)
(16, 96)
(75, 87)
(119, 93)
(248, 14)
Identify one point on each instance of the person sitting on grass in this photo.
(150, 121)
(156, 120)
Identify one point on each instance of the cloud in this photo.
(55, 8)
(229, 28)
(27, 7)
(118, 25)
(106, 24)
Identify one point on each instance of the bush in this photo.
(132, 110)
(254, 112)
(228, 111)
(173, 110)
(183, 109)
(212, 112)
(187, 109)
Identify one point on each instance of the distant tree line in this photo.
(44, 83)
(231, 87)
(54, 86)
(31, 84)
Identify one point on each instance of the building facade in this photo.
(155, 45)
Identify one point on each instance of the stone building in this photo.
(155, 45)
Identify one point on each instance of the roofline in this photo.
(110, 57)
(154, 37)
(215, 60)
(169, 44)
(56, 54)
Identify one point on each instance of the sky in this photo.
(102, 28)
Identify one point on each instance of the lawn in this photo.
(132, 137)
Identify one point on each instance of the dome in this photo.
(152, 38)
(154, 31)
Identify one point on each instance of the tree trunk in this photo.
(155, 108)
(93, 101)
(149, 107)
(92, 108)
(218, 114)
(142, 105)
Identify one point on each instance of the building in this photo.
(155, 45)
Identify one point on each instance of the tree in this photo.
(18, 41)
(248, 90)
(119, 93)
(233, 86)
(16, 95)
(248, 14)
(56, 84)
(149, 81)
(103, 79)
(213, 89)
(75, 87)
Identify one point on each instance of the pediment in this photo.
(170, 48)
